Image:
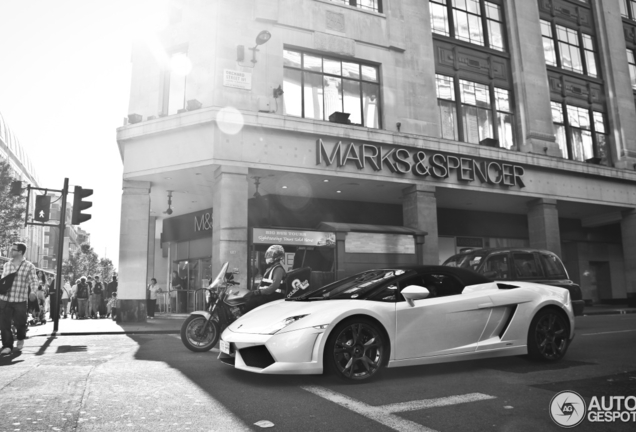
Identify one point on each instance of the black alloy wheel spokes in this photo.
(358, 351)
(551, 336)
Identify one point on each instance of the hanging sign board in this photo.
(293, 237)
(237, 79)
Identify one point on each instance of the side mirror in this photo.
(490, 274)
(414, 292)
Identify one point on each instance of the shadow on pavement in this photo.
(10, 360)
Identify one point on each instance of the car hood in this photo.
(261, 319)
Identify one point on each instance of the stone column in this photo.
(530, 80)
(620, 101)
(229, 225)
(628, 230)
(543, 225)
(419, 211)
(133, 251)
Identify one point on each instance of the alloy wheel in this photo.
(358, 351)
(551, 336)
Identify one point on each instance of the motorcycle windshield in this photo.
(220, 277)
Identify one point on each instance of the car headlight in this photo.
(276, 327)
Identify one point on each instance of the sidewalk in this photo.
(603, 309)
(162, 324)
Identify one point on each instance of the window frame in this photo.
(630, 8)
(537, 266)
(596, 148)
(484, 23)
(323, 74)
(493, 109)
(166, 82)
(355, 4)
(581, 49)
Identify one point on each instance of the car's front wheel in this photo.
(355, 350)
(548, 336)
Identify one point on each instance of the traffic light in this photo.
(16, 188)
(79, 205)
(42, 208)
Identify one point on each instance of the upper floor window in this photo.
(485, 112)
(632, 66)
(316, 87)
(580, 133)
(174, 83)
(476, 21)
(370, 5)
(628, 9)
(571, 49)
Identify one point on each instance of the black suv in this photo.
(520, 264)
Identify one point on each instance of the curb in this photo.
(132, 332)
(610, 312)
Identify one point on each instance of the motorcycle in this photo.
(201, 330)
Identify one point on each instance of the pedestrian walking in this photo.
(98, 293)
(13, 304)
(112, 286)
(66, 295)
(82, 298)
(42, 293)
(153, 289)
(112, 306)
(74, 308)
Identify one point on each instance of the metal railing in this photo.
(181, 301)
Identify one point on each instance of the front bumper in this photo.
(297, 352)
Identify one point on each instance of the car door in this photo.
(448, 322)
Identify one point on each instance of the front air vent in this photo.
(257, 356)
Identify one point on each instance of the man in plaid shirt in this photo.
(13, 306)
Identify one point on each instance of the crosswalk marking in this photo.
(384, 414)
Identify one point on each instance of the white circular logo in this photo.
(567, 409)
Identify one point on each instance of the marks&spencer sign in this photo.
(190, 226)
(419, 163)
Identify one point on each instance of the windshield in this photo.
(220, 277)
(469, 261)
(359, 286)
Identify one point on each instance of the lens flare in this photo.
(230, 120)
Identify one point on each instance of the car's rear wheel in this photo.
(355, 350)
(548, 336)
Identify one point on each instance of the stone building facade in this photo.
(481, 123)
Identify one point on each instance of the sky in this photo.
(64, 89)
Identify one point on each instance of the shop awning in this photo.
(381, 229)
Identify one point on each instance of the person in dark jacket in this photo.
(82, 298)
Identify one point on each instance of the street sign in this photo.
(42, 208)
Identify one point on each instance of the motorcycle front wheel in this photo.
(197, 336)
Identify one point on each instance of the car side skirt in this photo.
(501, 352)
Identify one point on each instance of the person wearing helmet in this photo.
(270, 287)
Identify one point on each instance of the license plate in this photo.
(225, 347)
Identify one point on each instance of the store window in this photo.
(368, 5)
(569, 49)
(481, 119)
(580, 133)
(628, 9)
(316, 87)
(475, 21)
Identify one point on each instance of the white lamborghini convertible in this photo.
(400, 317)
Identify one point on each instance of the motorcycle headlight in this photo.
(278, 326)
